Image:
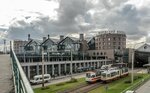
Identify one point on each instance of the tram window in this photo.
(104, 75)
(118, 72)
(108, 75)
(126, 70)
(88, 75)
(93, 76)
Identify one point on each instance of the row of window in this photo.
(99, 53)
(114, 43)
(109, 39)
(109, 47)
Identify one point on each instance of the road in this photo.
(60, 79)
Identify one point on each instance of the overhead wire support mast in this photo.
(42, 67)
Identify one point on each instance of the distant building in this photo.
(142, 55)
(19, 46)
(110, 40)
(64, 56)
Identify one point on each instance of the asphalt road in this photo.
(60, 79)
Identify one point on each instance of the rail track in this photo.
(83, 88)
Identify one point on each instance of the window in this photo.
(97, 53)
(108, 39)
(93, 53)
(145, 47)
(114, 38)
(118, 47)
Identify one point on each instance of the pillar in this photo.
(65, 67)
(84, 64)
(53, 69)
(45, 69)
(71, 68)
(37, 69)
(98, 64)
(59, 69)
(28, 72)
(75, 64)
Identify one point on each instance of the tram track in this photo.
(85, 88)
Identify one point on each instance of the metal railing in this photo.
(21, 82)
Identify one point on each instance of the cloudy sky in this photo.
(71, 17)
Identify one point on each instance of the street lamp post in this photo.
(71, 64)
(132, 75)
(42, 67)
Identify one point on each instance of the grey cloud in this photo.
(73, 17)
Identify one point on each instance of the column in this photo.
(37, 69)
(87, 64)
(45, 69)
(53, 69)
(28, 72)
(65, 67)
(94, 65)
(59, 69)
(84, 64)
(71, 68)
(75, 64)
(98, 64)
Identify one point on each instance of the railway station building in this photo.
(69, 55)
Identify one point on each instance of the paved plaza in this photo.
(6, 82)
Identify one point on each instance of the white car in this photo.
(130, 91)
(38, 79)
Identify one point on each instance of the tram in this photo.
(107, 75)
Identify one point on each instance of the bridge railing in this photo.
(21, 82)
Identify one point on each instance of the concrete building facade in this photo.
(110, 40)
(19, 46)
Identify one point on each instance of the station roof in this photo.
(146, 65)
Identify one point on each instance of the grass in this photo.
(60, 86)
(119, 85)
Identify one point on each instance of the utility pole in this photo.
(71, 64)
(42, 67)
(132, 66)
(4, 46)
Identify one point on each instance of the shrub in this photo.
(60, 84)
(72, 80)
(44, 88)
(127, 81)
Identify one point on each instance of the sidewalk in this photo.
(144, 88)
(6, 82)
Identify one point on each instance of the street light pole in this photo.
(42, 68)
(132, 77)
(71, 64)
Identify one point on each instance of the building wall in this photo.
(109, 54)
(18, 46)
(110, 40)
